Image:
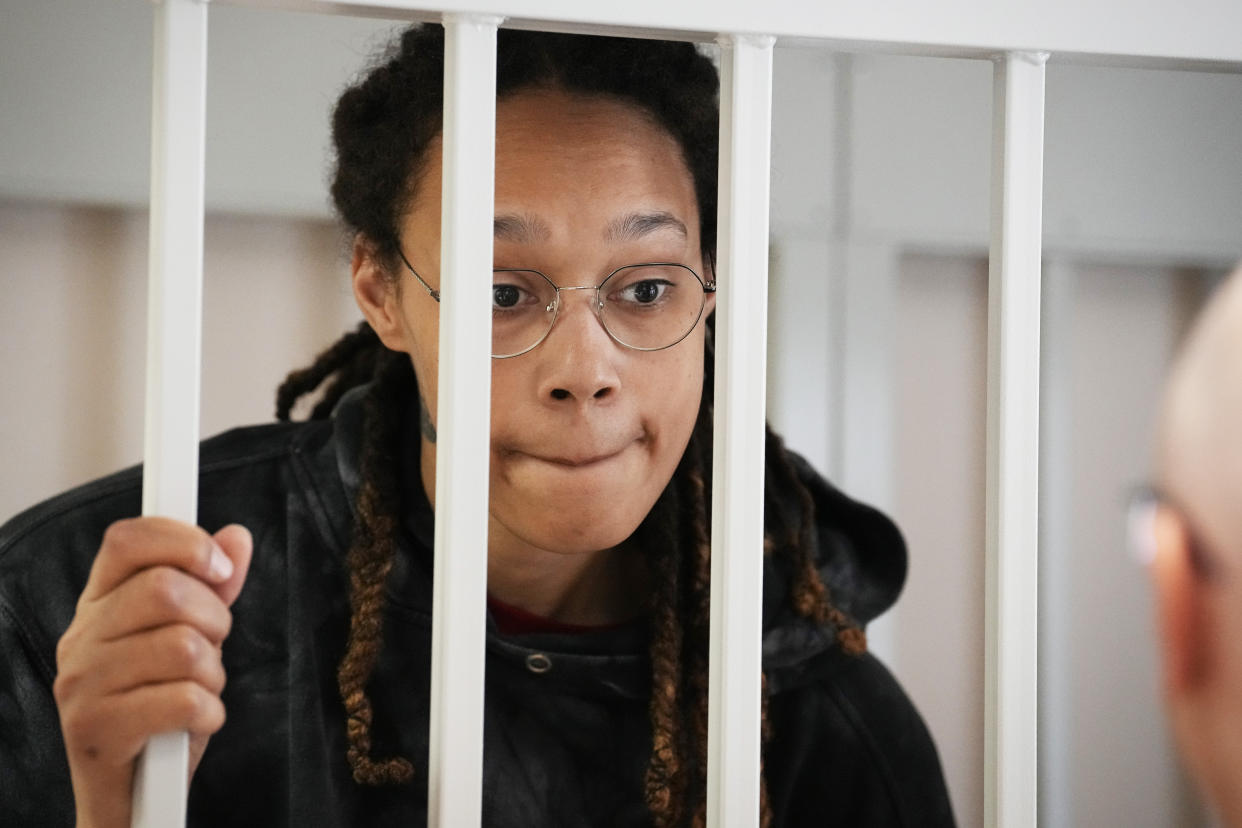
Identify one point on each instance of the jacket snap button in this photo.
(538, 663)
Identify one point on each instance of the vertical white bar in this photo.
(738, 455)
(455, 775)
(174, 322)
(1012, 568)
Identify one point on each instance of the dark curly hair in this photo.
(382, 128)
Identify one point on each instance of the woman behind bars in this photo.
(318, 611)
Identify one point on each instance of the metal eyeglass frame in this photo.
(708, 287)
(1141, 510)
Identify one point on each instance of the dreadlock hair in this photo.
(382, 128)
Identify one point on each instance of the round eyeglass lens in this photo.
(651, 306)
(523, 309)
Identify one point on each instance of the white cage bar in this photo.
(1201, 33)
(1012, 565)
(174, 320)
(1195, 32)
(734, 691)
(455, 775)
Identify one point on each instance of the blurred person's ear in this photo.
(1183, 616)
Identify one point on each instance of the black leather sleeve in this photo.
(45, 558)
(34, 774)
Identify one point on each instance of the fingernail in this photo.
(220, 567)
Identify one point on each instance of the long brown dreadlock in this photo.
(382, 128)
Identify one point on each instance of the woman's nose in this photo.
(580, 356)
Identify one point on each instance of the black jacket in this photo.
(564, 747)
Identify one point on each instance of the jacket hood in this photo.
(861, 557)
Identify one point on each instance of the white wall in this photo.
(75, 90)
(939, 451)
(73, 326)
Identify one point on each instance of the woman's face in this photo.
(585, 433)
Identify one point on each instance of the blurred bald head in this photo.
(1199, 608)
(1199, 456)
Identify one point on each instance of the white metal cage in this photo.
(1018, 37)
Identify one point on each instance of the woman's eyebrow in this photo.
(527, 229)
(637, 225)
(522, 229)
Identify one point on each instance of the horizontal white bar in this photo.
(1187, 30)
(174, 322)
(738, 451)
(455, 775)
(1012, 566)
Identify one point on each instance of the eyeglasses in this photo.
(1141, 534)
(646, 307)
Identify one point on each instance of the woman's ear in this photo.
(1183, 617)
(376, 294)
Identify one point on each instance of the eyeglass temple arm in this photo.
(432, 292)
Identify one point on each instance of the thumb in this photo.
(236, 542)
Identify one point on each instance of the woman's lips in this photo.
(576, 461)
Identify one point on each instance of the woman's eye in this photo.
(645, 292)
(505, 296)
